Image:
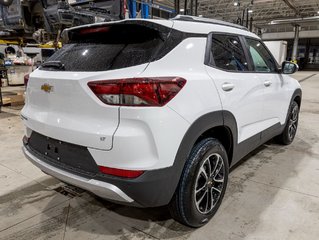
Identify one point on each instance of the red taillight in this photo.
(121, 172)
(138, 91)
(94, 30)
(26, 79)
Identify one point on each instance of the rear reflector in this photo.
(152, 92)
(120, 172)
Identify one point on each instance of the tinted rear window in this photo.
(111, 47)
(228, 53)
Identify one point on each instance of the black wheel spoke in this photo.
(209, 167)
(200, 200)
(200, 189)
(215, 167)
(212, 198)
(203, 173)
(207, 201)
(218, 170)
(219, 180)
(216, 189)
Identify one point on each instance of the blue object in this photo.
(132, 8)
(145, 9)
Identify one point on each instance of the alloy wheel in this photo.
(293, 122)
(209, 183)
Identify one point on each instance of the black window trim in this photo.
(209, 59)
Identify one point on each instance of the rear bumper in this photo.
(100, 188)
(152, 189)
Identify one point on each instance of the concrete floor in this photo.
(273, 194)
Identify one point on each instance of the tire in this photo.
(290, 130)
(198, 197)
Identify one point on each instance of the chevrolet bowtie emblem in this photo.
(47, 88)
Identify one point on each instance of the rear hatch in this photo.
(59, 102)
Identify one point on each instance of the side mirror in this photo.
(289, 68)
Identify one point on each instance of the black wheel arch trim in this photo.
(200, 126)
(297, 93)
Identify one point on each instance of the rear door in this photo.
(59, 102)
(240, 91)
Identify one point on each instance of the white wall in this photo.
(278, 50)
(290, 35)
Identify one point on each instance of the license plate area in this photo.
(62, 153)
(53, 149)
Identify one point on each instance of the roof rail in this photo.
(207, 20)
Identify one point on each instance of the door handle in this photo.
(228, 86)
(267, 83)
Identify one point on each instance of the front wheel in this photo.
(202, 185)
(289, 133)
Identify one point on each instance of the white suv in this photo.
(155, 112)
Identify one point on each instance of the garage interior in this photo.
(272, 194)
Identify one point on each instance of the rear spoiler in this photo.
(70, 34)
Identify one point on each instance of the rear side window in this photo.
(228, 53)
(110, 47)
(262, 60)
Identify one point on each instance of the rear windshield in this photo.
(110, 47)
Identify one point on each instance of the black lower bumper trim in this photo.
(152, 189)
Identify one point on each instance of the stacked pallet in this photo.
(13, 98)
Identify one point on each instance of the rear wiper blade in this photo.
(53, 64)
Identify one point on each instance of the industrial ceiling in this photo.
(260, 10)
